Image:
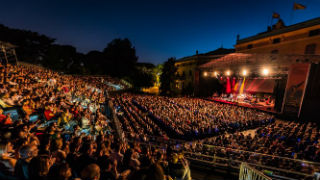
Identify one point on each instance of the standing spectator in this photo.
(39, 167)
(26, 153)
(91, 172)
(7, 161)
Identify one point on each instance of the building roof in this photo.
(220, 51)
(294, 27)
(236, 59)
(209, 55)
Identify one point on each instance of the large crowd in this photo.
(54, 126)
(192, 118)
(291, 146)
(285, 139)
(217, 130)
(136, 123)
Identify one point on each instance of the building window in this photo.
(276, 40)
(249, 46)
(314, 32)
(274, 54)
(310, 49)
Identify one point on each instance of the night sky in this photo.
(158, 29)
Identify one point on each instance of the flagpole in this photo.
(272, 19)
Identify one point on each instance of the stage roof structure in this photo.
(279, 62)
(7, 53)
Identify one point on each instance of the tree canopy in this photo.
(168, 78)
(118, 58)
(31, 46)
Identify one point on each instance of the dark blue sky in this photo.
(159, 29)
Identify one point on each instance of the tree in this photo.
(31, 46)
(157, 71)
(77, 65)
(168, 78)
(143, 76)
(60, 56)
(120, 58)
(94, 61)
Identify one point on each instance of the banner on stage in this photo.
(295, 88)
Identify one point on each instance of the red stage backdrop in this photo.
(295, 88)
(259, 86)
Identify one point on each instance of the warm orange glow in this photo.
(265, 72)
(244, 72)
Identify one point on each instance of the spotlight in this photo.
(228, 73)
(244, 72)
(265, 72)
(205, 74)
(215, 73)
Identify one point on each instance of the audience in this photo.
(55, 126)
(184, 118)
(71, 137)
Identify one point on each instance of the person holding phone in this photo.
(7, 159)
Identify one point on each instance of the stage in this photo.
(263, 106)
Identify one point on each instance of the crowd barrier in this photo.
(161, 141)
(249, 173)
(116, 122)
(262, 154)
(224, 162)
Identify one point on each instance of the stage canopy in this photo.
(237, 61)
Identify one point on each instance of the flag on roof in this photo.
(275, 15)
(297, 6)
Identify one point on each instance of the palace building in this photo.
(301, 38)
(187, 66)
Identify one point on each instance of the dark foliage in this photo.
(118, 59)
(31, 46)
(143, 76)
(168, 78)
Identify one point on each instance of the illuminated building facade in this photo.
(187, 68)
(288, 54)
